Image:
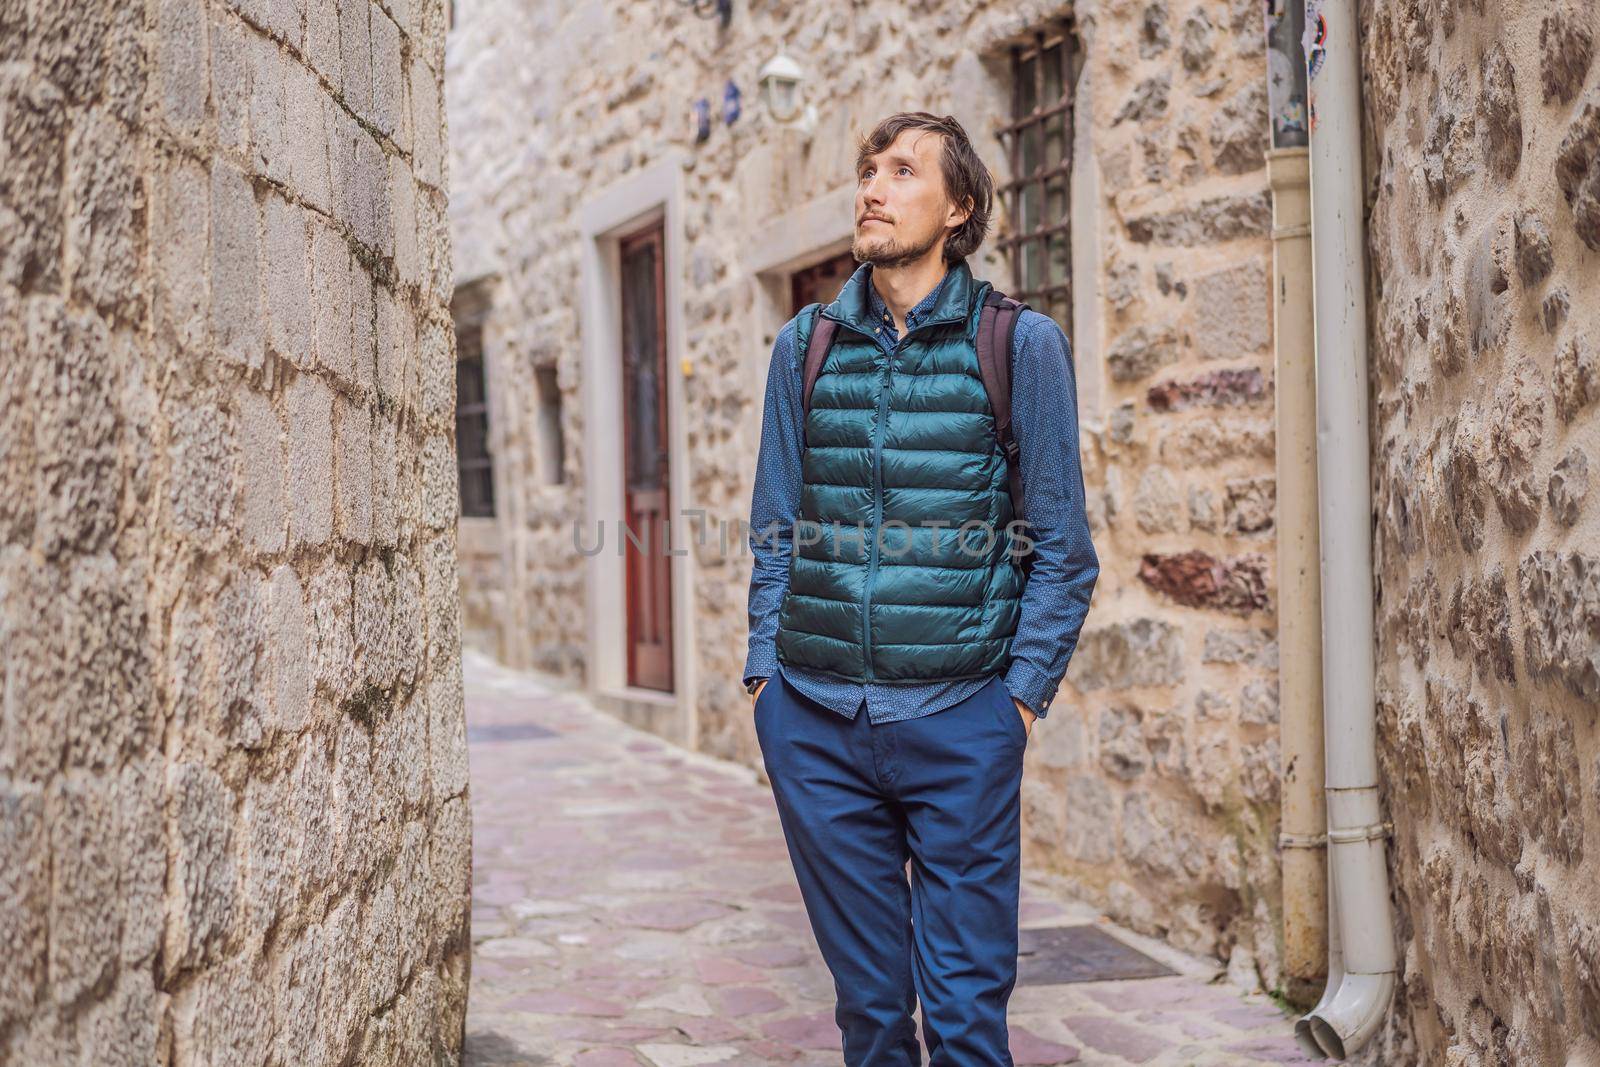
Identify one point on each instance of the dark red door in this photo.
(821, 281)
(644, 437)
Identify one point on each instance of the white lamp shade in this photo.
(780, 79)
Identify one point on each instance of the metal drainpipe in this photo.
(1303, 819)
(1361, 966)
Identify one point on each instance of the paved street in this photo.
(633, 906)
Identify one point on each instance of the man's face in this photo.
(902, 212)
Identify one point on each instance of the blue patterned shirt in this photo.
(1055, 600)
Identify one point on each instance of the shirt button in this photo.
(877, 329)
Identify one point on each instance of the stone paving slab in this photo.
(633, 906)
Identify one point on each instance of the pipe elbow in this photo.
(1345, 1022)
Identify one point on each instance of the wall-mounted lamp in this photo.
(782, 82)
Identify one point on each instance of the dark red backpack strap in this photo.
(997, 328)
(820, 340)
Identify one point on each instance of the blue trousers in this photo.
(856, 801)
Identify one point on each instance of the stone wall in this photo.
(1153, 783)
(233, 815)
(1484, 241)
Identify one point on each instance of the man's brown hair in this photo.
(967, 181)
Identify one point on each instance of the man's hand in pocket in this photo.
(1027, 714)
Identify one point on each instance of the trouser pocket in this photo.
(1011, 718)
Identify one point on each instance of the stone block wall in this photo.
(1153, 783)
(233, 813)
(1484, 239)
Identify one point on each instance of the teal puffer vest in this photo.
(893, 444)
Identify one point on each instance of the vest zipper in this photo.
(880, 429)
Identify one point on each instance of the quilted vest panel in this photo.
(885, 584)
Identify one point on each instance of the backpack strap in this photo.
(821, 335)
(997, 329)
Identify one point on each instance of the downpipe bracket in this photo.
(1370, 832)
(1355, 833)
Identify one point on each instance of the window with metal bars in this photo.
(1038, 196)
(474, 466)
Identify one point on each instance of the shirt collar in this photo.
(859, 306)
(878, 310)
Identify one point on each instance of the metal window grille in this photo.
(1038, 142)
(474, 466)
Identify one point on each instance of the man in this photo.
(898, 657)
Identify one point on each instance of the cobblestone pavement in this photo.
(634, 906)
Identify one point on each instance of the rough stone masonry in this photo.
(1484, 155)
(233, 815)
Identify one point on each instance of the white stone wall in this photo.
(233, 815)
(1153, 783)
(1484, 156)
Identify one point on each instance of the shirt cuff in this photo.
(760, 664)
(1028, 685)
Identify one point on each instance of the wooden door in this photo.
(645, 460)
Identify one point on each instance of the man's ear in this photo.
(959, 213)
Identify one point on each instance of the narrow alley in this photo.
(634, 906)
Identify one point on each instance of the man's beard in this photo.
(891, 254)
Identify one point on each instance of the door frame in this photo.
(653, 193)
